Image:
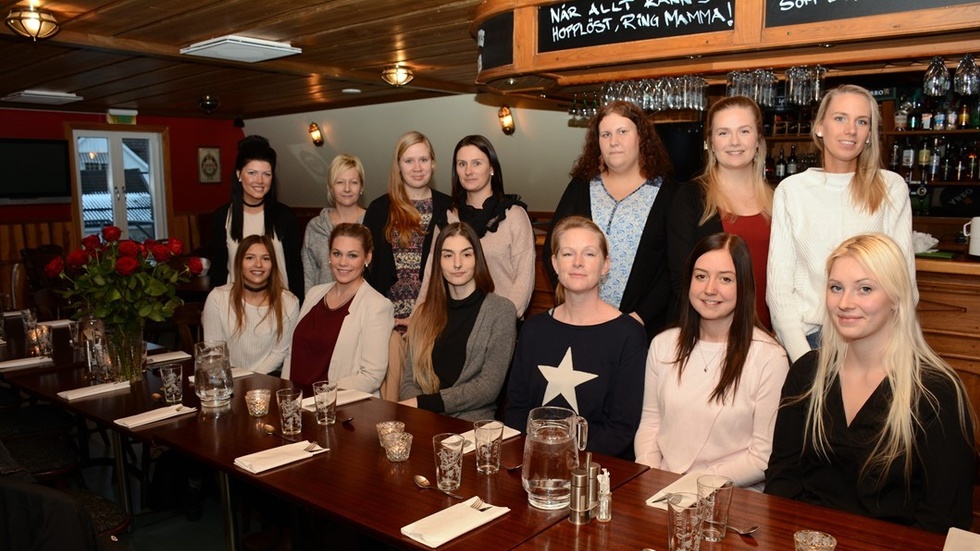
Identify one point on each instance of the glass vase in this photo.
(124, 347)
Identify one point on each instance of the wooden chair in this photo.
(187, 318)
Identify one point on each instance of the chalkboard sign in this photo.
(581, 23)
(793, 12)
(495, 39)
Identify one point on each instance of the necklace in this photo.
(259, 204)
(341, 298)
(713, 358)
(255, 289)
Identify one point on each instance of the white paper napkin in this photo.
(22, 363)
(236, 372)
(450, 523)
(55, 323)
(344, 397)
(269, 459)
(470, 437)
(961, 540)
(154, 415)
(687, 483)
(12, 313)
(177, 356)
(93, 390)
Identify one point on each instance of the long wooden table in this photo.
(636, 525)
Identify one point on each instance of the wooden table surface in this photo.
(636, 525)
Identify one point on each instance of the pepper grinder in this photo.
(579, 511)
(593, 470)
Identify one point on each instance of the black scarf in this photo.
(493, 212)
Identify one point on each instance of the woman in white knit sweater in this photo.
(256, 313)
(816, 210)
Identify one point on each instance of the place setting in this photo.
(172, 390)
(289, 402)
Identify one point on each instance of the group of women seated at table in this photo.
(421, 305)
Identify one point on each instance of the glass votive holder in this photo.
(257, 401)
(398, 445)
(812, 540)
(388, 427)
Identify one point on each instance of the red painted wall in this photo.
(186, 135)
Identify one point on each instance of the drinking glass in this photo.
(325, 397)
(487, 436)
(388, 427)
(966, 81)
(683, 522)
(715, 495)
(936, 80)
(73, 335)
(171, 375)
(213, 382)
(29, 318)
(448, 450)
(290, 402)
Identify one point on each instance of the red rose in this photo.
(160, 252)
(91, 242)
(126, 266)
(55, 267)
(194, 265)
(111, 233)
(128, 247)
(77, 258)
(176, 246)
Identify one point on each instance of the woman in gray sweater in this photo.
(461, 338)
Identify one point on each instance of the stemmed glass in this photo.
(936, 80)
(966, 81)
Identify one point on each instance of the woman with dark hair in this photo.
(731, 195)
(345, 186)
(255, 314)
(500, 221)
(713, 383)
(622, 182)
(461, 338)
(254, 210)
(583, 354)
(402, 223)
(874, 422)
(344, 325)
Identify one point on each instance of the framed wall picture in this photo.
(209, 165)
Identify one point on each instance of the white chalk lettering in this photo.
(678, 18)
(613, 7)
(658, 3)
(563, 13)
(786, 5)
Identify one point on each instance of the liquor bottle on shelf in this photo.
(781, 165)
(902, 114)
(958, 164)
(946, 164)
(926, 117)
(895, 159)
(922, 158)
(939, 119)
(935, 158)
(792, 163)
(952, 118)
(908, 160)
(915, 115)
(964, 120)
(970, 157)
(975, 116)
(770, 167)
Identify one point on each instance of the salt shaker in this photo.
(604, 510)
(579, 511)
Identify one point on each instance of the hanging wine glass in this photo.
(936, 80)
(966, 81)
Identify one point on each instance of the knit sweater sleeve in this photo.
(784, 305)
(522, 258)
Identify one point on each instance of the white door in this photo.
(120, 182)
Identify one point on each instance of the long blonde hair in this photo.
(273, 290)
(868, 189)
(404, 220)
(431, 316)
(710, 180)
(909, 360)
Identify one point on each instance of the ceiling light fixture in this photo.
(506, 120)
(208, 103)
(397, 75)
(240, 48)
(32, 22)
(42, 97)
(316, 135)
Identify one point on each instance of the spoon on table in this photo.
(743, 531)
(346, 421)
(271, 431)
(423, 482)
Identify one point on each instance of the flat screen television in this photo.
(35, 171)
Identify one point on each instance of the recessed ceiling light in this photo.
(42, 97)
(351, 90)
(240, 48)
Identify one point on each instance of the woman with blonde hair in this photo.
(731, 195)
(461, 338)
(345, 186)
(255, 313)
(815, 210)
(584, 354)
(875, 422)
(402, 223)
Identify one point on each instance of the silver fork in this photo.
(480, 505)
(314, 447)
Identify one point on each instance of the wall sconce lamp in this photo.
(316, 135)
(506, 120)
(32, 22)
(397, 75)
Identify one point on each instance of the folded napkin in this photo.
(470, 443)
(22, 363)
(167, 357)
(344, 397)
(154, 415)
(13, 313)
(687, 483)
(961, 540)
(55, 323)
(264, 460)
(236, 372)
(93, 390)
(452, 522)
